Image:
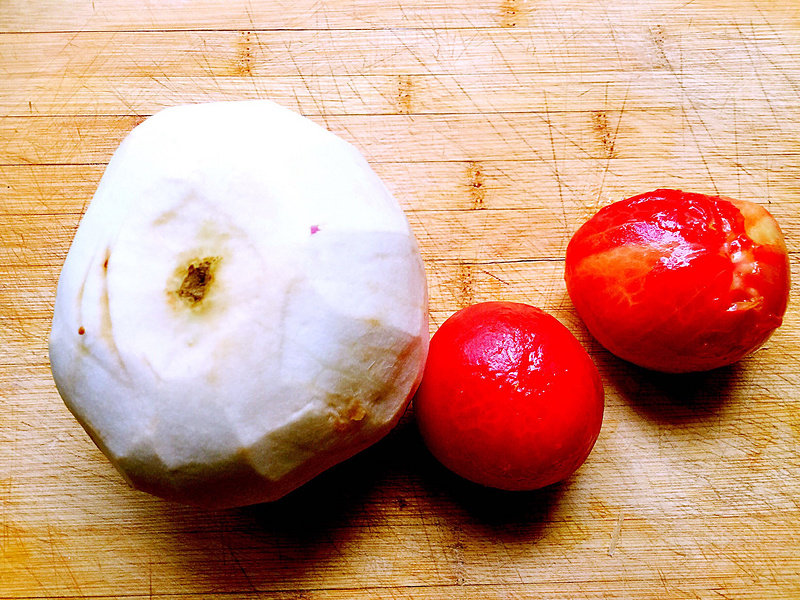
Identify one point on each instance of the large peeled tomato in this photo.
(509, 398)
(679, 282)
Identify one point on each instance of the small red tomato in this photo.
(679, 282)
(509, 399)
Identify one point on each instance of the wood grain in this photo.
(500, 126)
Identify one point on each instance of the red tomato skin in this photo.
(509, 398)
(675, 281)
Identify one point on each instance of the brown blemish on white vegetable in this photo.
(349, 416)
(198, 276)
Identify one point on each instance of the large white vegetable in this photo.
(243, 306)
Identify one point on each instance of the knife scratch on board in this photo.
(612, 546)
(609, 139)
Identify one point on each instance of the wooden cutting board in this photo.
(500, 126)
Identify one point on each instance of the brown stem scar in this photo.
(198, 279)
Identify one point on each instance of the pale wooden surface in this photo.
(500, 126)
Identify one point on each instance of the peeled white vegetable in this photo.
(243, 306)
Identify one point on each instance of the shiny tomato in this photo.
(679, 282)
(509, 398)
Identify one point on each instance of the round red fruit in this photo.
(679, 282)
(509, 399)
